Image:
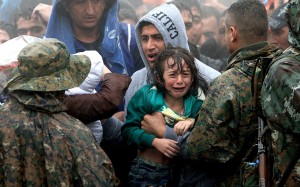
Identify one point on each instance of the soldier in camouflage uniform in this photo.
(40, 144)
(281, 102)
(226, 129)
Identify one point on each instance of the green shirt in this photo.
(146, 101)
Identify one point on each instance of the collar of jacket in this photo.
(46, 102)
(251, 52)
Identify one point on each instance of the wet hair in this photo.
(194, 3)
(23, 13)
(26, 12)
(182, 7)
(249, 17)
(126, 11)
(209, 11)
(127, 14)
(143, 24)
(177, 54)
(9, 28)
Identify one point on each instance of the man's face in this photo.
(4, 36)
(279, 37)
(152, 43)
(85, 14)
(188, 22)
(209, 29)
(195, 33)
(32, 27)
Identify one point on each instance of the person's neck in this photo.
(87, 36)
(176, 104)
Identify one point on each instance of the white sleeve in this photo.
(96, 71)
(208, 73)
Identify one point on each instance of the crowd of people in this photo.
(150, 93)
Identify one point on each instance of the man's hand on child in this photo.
(167, 147)
(154, 124)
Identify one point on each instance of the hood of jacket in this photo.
(167, 19)
(292, 11)
(59, 27)
(254, 51)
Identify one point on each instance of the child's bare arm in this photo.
(183, 126)
(167, 147)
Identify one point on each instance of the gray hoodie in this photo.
(167, 19)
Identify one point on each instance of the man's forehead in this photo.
(149, 30)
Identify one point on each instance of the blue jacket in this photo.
(118, 56)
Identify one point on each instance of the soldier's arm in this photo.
(214, 135)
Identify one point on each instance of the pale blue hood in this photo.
(167, 19)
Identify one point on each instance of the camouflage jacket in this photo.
(43, 146)
(281, 104)
(226, 128)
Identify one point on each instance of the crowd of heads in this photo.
(204, 22)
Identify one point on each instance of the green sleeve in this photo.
(281, 95)
(137, 108)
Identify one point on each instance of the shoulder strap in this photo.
(289, 168)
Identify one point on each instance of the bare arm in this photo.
(43, 10)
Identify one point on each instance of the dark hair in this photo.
(23, 13)
(26, 12)
(143, 24)
(249, 17)
(127, 14)
(9, 28)
(195, 4)
(182, 7)
(177, 54)
(209, 11)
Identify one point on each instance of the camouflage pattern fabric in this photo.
(281, 102)
(226, 128)
(43, 146)
(46, 65)
(293, 18)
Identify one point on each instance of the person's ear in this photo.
(233, 34)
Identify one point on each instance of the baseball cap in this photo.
(277, 20)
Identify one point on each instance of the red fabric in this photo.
(12, 65)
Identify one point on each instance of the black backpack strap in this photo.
(289, 169)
